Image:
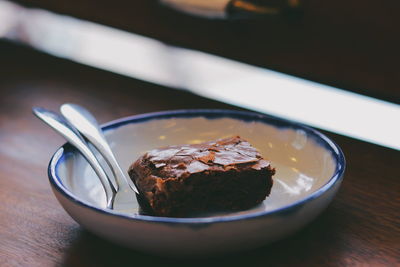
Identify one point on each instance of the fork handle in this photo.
(61, 126)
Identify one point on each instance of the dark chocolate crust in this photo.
(227, 174)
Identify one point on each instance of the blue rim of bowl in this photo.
(320, 138)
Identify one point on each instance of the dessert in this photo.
(227, 174)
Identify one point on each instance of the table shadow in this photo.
(90, 250)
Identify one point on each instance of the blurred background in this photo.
(352, 45)
(125, 57)
(239, 60)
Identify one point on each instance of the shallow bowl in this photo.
(309, 170)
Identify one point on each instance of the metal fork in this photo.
(87, 125)
(61, 126)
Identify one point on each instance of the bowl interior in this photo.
(302, 159)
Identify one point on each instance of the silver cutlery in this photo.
(61, 126)
(89, 128)
(78, 127)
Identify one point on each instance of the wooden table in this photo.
(360, 228)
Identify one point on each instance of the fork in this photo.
(86, 124)
(61, 126)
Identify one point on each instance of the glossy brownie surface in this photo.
(225, 174)
(220, 155)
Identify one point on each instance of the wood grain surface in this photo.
(352, 45)
(360, 227)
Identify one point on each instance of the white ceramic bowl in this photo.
(309, 170)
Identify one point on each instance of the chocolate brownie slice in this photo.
(227, 174)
